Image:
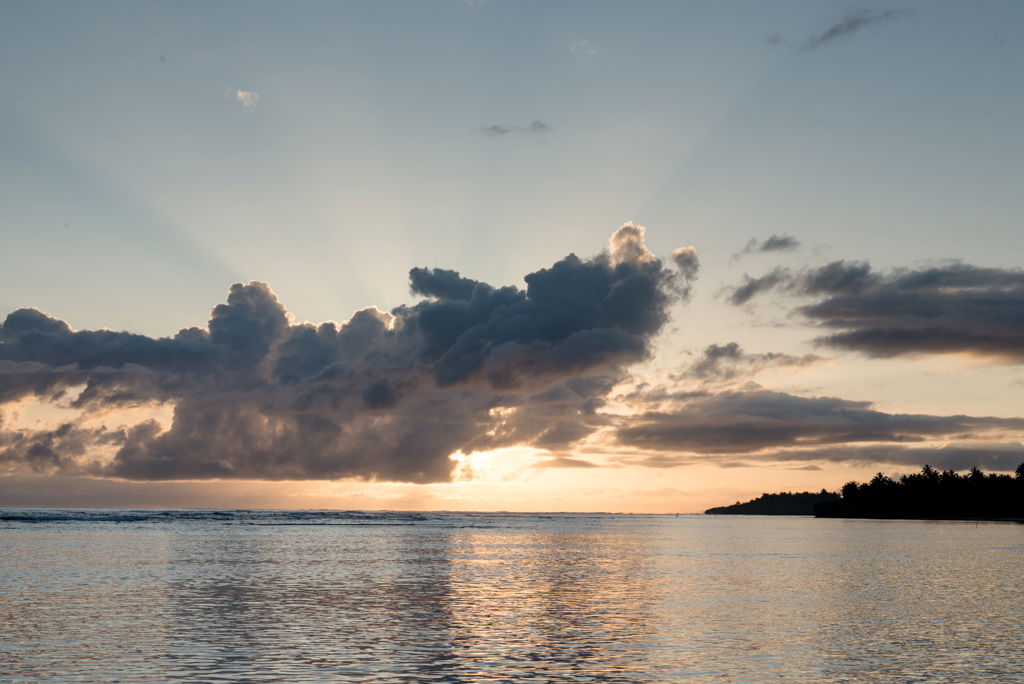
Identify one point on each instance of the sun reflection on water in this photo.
(472, 597)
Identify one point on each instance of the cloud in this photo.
(774, 243)
(685, 259)
(563, 462)
(583, 47)
(947, 308)
(745, 422)
(382, 396)
(728, 362)
(49, 450)
(779, 243)
(752, 287)
(248, 99)
(532, 128)
(1001, 456)
(627, 245)
(854, 21)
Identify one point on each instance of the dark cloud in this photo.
(834, 278)
(728, 362)
(29, 320)
(688, 264)
(249, 323)
(28, 335)
(854, 21)
(385, 395)
(938, 309)
(714, 357)
(532, 128)
(774, 243)
(28, 379)
(441, 283)
(752, 287)
(779, 243)
(46, 451)
(739, 422)
(1004, 456)
(999, 456)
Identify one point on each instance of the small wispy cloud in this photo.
(584, 47)
(774, 243)
(248, 99)
(532, 128)
(854, 21)
(729, 363)
(564, 462)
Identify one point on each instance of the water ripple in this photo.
(144, 596)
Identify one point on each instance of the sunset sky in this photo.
(497, 255)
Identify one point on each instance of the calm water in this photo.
(391, 597)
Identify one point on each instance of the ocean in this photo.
(328, 596)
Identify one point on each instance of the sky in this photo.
(494, 255)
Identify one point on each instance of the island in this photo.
(928, 495)
(785, 503)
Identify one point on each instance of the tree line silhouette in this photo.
(931, 494)
(783, 503)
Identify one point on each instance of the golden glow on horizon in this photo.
(517, 478)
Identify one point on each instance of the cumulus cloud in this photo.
(385, 395)
(946, 308)
(627, 244)
(533, 128)
(774, 243)
(854, 21)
